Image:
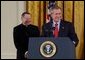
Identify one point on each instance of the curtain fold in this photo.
(79, 26)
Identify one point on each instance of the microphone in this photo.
(53, 28)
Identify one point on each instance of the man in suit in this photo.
(22, 32)
(58, 27)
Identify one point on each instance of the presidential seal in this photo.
(48, 49)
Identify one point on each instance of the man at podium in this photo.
(58, 27)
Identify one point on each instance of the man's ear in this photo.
(61, 17)
(21, 18)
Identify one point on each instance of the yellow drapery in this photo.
(73, 12)
(36, 8)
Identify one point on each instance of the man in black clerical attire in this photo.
(22, 32)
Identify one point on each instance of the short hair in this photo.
(55, 7)
(23, 14)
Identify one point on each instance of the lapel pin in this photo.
(62, 27)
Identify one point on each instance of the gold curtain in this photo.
(79, 26)
(73, 11)
(36, 8)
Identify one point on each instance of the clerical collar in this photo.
(25, 25)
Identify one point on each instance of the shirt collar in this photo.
(55, 23)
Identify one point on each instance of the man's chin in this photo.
(56, 20)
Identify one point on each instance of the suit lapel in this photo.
(61, 29)
(50, 29)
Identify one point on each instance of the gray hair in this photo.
(56, 7)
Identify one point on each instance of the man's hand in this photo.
(26, 55)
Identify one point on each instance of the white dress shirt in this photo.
(53, 25)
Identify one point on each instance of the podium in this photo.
(63, 48)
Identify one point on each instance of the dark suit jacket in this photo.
(66, 30)
(21, 34)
